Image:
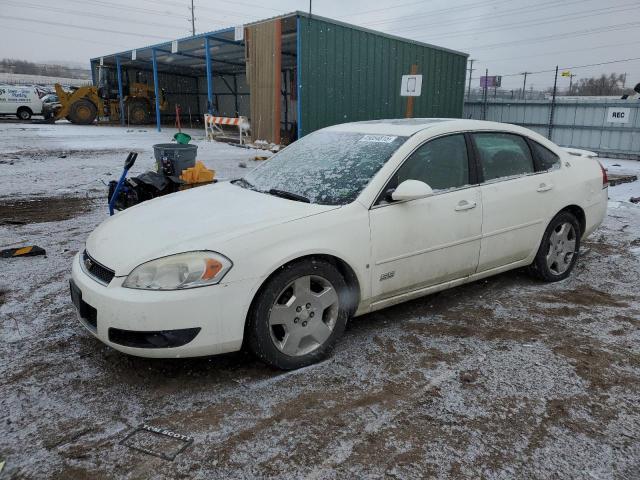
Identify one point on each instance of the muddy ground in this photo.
(503, 378)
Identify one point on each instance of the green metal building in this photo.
(349, 73)
(296, 73)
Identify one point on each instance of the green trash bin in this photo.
(182, 138)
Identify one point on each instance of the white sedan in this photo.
(348, 220)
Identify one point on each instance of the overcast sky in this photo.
(505, 36)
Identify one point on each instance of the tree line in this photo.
(11, 65)
(604, 85)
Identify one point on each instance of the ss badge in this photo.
(387, 275)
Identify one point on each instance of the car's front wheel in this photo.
(559, 249)
(298, 315)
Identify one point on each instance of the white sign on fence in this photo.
(411, 86)
(238, 33)
(618, 115)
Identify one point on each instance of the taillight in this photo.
(605, 178)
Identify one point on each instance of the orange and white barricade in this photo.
(212, 125)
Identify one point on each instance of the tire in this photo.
(138, 112)
(24, 113)
(82, 112)
(559, 249)
(290, 325)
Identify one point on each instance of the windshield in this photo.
(325, 167)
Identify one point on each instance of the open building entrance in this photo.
(249, 71)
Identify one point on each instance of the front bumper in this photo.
(212, 316)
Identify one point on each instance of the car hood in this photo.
(201, 218)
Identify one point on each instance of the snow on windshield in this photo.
(327, 167)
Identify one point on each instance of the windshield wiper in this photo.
(244, 183)
(289, 195)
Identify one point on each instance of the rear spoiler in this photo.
(577, 152)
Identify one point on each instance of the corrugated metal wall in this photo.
(348, 74)
(224, 99)
(576, 123)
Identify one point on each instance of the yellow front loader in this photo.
(83, 105)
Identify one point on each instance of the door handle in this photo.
(465, 205)
(544, 187)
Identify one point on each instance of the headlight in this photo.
(176, 272)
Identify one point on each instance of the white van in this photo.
(21, 100)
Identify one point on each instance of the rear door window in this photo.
(503, 155)
(545, 158)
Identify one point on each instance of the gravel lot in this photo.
(503, 378)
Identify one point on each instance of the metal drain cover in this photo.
(157, 441)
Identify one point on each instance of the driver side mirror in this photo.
(411, 190)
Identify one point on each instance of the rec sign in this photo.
(618, 115)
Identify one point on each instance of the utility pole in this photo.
(310, 7)
(571, 75)
(193, 20)
(484, 104)
(524, 83)
(553, 104)
(470, 72)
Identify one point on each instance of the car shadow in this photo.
(242, 365)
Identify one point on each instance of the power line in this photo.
(216, 10)
(506, 13)
(537, 22)
(519, 57)
(86, 14)
(431, 13)
(146, 11)
(75, 39)
(575, 67)
(93, 29)
(577, 33)
(467, 6)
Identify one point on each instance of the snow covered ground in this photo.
(502, 378)
(46, 159)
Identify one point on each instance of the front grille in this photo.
(94, 269)
(86, 311)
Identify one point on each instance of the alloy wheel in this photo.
(303, 315)
(562, 248)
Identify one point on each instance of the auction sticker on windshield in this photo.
(378, 138)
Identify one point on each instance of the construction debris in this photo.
(619, 179)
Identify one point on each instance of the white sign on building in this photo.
(174, 46)
(411, 86)
(618, 115)
(238, 33)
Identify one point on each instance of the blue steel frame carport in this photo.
(120, 95)
(207, 38)
(298, 76)
(207, 56)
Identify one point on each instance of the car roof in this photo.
(409, 126)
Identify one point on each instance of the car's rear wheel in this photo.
(298, 315)
(559, 249)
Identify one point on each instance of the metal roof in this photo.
(227, 54)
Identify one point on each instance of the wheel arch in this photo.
(577, 212)
(347, 272)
